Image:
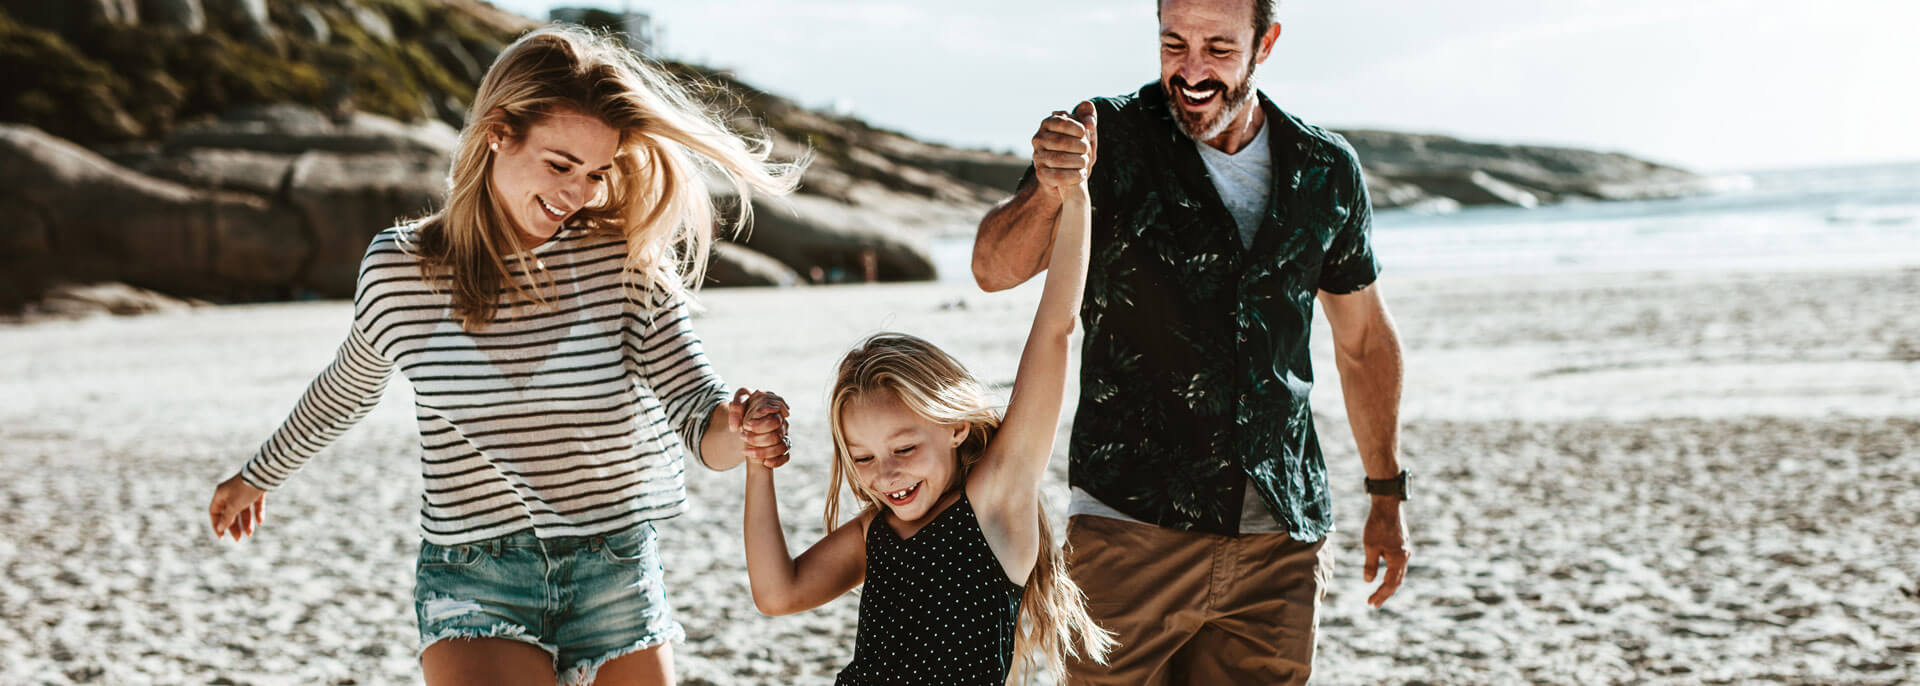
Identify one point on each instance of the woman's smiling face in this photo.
(557, 167)
(903, 458)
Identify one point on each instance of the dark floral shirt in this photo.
(1195, 367)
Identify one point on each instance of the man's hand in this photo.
(760, 417)
(1385, 539)
(1065, 147)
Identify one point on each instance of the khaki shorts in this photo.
(1195, 608)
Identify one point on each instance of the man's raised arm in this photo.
(1015, 239)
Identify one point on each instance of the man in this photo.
(1200, 499)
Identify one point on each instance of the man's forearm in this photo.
(1015, 239)
(1370, 382)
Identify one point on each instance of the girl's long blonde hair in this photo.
(1054, 624)
(656, 197)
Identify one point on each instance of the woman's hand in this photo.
(760, 417)
(236, 508)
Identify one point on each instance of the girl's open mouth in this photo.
(902, 496)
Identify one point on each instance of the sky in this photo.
(1711, 85)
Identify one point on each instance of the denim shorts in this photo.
(585, 600)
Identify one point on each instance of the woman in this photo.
(542, 320)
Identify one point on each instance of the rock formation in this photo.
(237, 153)
(1405, 169)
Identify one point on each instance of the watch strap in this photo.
(1396, 486)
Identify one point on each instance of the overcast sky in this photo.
(1707, 84)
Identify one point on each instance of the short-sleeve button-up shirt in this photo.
(1194, 365)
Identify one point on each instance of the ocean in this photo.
(1828, 218)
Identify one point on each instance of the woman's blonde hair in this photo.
(655, 198)
(1054, 624)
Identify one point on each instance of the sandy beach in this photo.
(1621, 478)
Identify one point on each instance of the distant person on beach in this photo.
(1200, 502)
(963, 584)
(542, 318)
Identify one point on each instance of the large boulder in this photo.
(262, 173)
(733, 265)
(83, 218)
(345, 199)
(257, 248)
(1473, 173)
(223, 224)
(297, 129)
(74, 301)
(828, 242)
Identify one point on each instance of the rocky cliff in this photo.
(242, 150)
(246, 149)
(1442, 173)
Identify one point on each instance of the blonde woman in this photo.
(542, 320)
(963, 583)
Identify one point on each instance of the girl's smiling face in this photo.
(557, 167)
(904, 460)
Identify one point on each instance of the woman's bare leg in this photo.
(650, 667)
(486, 661)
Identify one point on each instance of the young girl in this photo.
(963, 582)
(542, 320)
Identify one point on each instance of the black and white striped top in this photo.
(558, 418)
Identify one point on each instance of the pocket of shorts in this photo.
(629, 547)
(449, 557)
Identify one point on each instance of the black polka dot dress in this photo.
(937, 608)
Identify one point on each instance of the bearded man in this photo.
(1200, 502)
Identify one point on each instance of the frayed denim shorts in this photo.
(585, 600)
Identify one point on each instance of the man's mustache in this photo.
(1209, 84)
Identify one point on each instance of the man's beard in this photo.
(1199, 126)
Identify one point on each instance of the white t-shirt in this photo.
(1243, 180)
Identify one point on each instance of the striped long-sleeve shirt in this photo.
(560, 418)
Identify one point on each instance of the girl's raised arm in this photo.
(1005, 485)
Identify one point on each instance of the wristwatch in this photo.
(1394, 486)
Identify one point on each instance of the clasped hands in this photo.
(760, 417)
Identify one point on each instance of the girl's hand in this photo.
(236, 508)
(760, 417)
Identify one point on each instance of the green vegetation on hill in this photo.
(110, 83)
